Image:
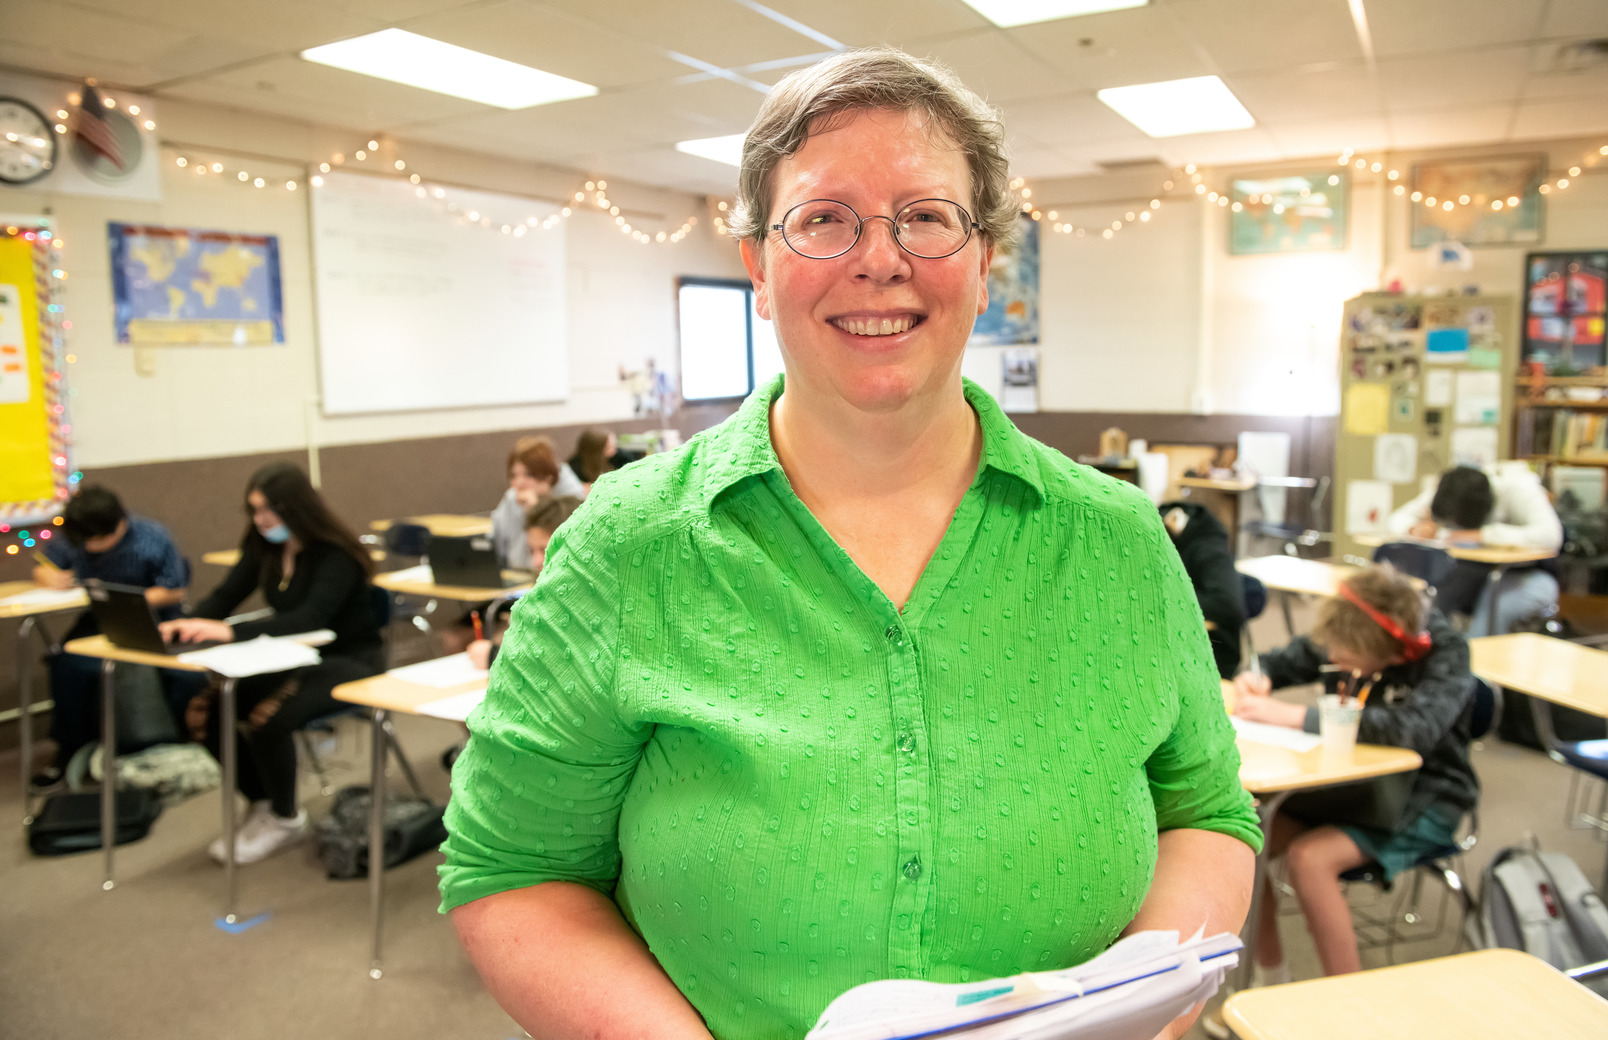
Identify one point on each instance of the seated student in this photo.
(313, 573)
(100, 540)
(1411, 667)
(1202, 545)
(598, 452)
(1503, 505)
(533, 471)
(541, 520)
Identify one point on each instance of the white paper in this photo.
(1368, 506)
(1437, 388)
(1474, 446)
(1479, 398)
(47, 598)
(1396, 458)
(456, 707)
(418, 572)
(261, 656)
(441, 672)
(1277, 736)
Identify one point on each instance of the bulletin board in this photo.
(1426, 383)
(34, 460)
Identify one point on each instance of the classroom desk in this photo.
(445, 524)
(412, 581)
(1231, 490)
(230, 557)
(28, 613)
(1486, 995)
(383, 695)
(1272, 774)
(1499, 556)
(1555, 670)
(1291, 575)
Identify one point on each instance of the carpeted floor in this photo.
(146, 962)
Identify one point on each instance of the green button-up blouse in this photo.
(706, 710)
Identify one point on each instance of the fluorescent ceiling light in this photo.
(1200, 105)
(418, 61)
(728, 149)
(1024, 12)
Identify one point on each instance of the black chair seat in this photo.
(1588, 756)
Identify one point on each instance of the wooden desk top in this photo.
(409, 585)
(1499, 555)
(1232, 486)
(1555, 670)
(446, 524)
(19, 610)
(392, 694)
(101, 647)
(230, 557)
(1495, 994)
(1290, 574)
(1265, 769)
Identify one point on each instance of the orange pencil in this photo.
(474, 617)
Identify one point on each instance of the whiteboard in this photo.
(434, 297)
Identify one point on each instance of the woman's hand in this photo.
(1426, 529)
(480, 654)
(1252, 684)
(1270, 711)
(196, 630)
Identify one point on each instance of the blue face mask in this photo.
(278, 534)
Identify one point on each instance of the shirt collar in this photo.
(741, 447)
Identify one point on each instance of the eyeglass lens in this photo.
(929, 228)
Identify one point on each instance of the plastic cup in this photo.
(1337, 722)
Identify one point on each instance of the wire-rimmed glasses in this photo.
(929, 228)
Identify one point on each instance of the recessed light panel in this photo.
(728, 149)
(1200, 105)
(418, 61)
(1007, 13)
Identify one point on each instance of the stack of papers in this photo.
(1130, 992)
(441, 672)
(455, 708)
(418, 572)
(1278, 736)
(73, 597)
(261, 656)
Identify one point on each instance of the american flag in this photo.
(91, 126)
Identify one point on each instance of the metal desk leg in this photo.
(376, 863)
(1266, 809)
(108, 767)
(25, 719)
(1494, 580)
(1284, 603)
(227, 736)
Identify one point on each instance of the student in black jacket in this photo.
(1380, 636)
(313, 573)
(1203, 547)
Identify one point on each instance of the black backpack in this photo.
(412, 826)
(69, 823)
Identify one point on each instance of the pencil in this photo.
(44, 561)
(474, 617)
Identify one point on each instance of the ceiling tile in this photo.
(717, 31)
(1441, 127)
(1311, 137)
(1440, 80)
(900, 23)
(279, 26)
(1576, 18)
(1228, 148)
(1545, 83)
(1430, 26)
(104, 44)
(1071, 119)
(1252, 35)
(399, 12)
(996, 66)
(1141, 45)
(1308, 93)
(1576, 117)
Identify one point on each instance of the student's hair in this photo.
(536, 454)
(92, 513)
(292, 496)
(814, 99)
(1344, 624)
(1463, 499)
(590, 457)
(550, 512)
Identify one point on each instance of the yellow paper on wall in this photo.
(25, 465)
(1367, 409)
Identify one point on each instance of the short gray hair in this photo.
(876, 78)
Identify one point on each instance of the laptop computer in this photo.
(469, 561)
(126, 618)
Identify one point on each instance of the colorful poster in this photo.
(1479, 398)
(34, 462)
(1367, 408)
(1012, 316)
(1396, 458)
(179, 287)
(1493, 201)
(1446, 346)
(1566, 310)
(1368, 506)
(1288, 214)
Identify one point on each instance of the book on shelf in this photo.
(1563, 433)
(1129, 992)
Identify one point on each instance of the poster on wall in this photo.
(1012, 316)
(1019, 379)
(184, 287)
(35, 460)
(1494, 201)
(1565, 310)
(1288, 214)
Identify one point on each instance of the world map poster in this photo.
(182, 287)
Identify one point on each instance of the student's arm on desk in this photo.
(563, 963)
(158, 596)
(1406, 519)
(53, 577)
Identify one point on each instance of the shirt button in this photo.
(907, 743)
(912, 869)
(893, 634)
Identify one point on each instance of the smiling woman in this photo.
(862, 683)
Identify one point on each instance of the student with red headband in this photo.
(1382, 639)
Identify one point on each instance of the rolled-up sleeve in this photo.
(536, 794)
(1194, 772)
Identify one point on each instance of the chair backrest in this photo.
(1255, 596)
(1425, 562)
(405, 539)
(1484, 709)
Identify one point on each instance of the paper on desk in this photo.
(440, 672)
(260, 656)
(1278, 736)
(456, 708)
(46, 598)
(418, 572)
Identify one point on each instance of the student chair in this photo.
(1293, 535)
(1405, 920)
(1425, 562)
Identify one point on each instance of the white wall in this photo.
(151, 404)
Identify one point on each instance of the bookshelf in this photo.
(1557, 422)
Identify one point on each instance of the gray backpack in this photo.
(1541, 903)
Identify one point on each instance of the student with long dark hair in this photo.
(313, 573)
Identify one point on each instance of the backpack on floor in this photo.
(1541, 903)
(69, 823)
(412, 826)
